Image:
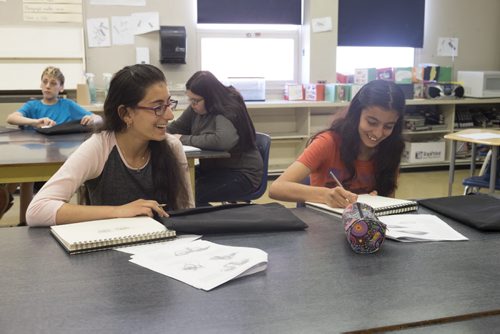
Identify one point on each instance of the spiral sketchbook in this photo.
(108, 233)
(382, 205)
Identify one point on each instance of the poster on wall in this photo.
(98, 32)
(52, 11)
(118, 2)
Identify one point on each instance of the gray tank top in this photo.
(118, 185)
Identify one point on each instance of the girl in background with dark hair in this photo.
(131, 167)
(361, 149)
(217, 119)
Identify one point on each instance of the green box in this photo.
(444, 74)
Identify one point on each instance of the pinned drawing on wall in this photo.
(98, 32)
(447, 47)
(322, 24)
(122, 28)
(146, 22)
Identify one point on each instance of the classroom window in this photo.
(349, 58)
(250, 51)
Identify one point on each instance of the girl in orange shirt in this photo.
(362, 150)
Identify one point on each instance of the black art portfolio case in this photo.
(480, 211)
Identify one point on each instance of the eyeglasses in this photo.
(159, 110)
(194, 102)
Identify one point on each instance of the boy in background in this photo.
(51, 109)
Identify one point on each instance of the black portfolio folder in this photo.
(233, 218)
(480, 211)
(65, 128)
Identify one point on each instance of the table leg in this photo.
(451, 173)
(26, 195)
(191, 165)
(473, 160)
(493, 170)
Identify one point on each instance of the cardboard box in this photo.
(426, 73)
(343, 93)
(385, 74)
(354, 90)
(423, 152)
(403, 75)
(314, 92)
(330, 92)
(294, 92)
(444, 74)
(364, 75)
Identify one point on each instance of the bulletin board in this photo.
(35, 34)
(27, 50)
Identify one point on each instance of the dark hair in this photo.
(226, 101)
(386, 95)
(127, 88)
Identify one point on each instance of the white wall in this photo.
(476, 24)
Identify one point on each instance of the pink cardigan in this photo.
(86, 163)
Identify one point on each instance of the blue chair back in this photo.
(474, 183)
(263, 142)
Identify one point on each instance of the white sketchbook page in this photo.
(203, 264)
(376, 202)
(419, 227)
(188, 148)
(107, 229)
(145, 248)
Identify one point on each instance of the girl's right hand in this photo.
(338, 197)
(140, 207)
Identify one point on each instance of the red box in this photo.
(385, 74)
(315, 92)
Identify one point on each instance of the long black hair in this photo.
(388, 96)
(227, 101)
(127, 88)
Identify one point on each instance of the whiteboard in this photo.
(27, 50)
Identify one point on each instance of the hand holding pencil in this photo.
(339, 197)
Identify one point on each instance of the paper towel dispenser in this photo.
(172, 45)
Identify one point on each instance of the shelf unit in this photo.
(291, 123)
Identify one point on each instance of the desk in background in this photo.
(28, 157)
(494, 143)
(314, 283)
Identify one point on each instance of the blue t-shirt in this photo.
(63, 111)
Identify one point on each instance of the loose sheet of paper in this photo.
(203, 264)
(419, 227)
(188, 148)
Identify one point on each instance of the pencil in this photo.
(336, 180)
(338, 183)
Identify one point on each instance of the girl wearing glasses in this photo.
(130, 167)
(217, 119)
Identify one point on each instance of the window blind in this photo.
(250, 11)
(381, 23)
